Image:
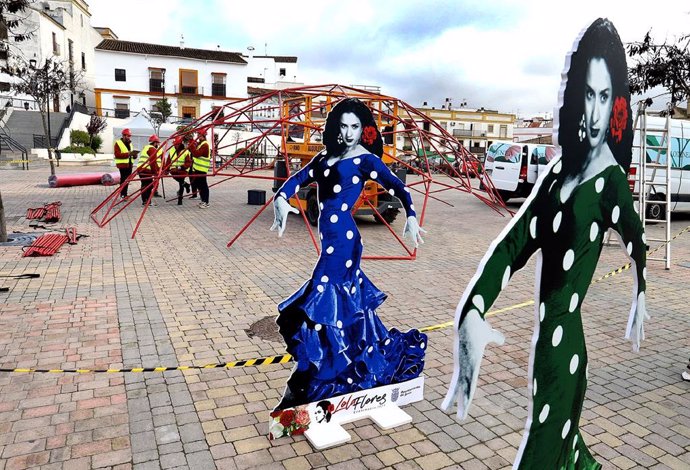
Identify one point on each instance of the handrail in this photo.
(5, 138)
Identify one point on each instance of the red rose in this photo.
(619, 119)
(287, 418)
(302, 417)
(369, 135)
(276, 413)
(298, 431)
(331, 408)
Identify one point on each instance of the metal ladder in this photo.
(650, 188)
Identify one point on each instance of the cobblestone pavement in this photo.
(175, 295)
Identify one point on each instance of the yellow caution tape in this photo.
(284, 358)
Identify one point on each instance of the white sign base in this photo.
(381, 405)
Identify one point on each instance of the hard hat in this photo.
(154, 138)
(126, 132)
(177, 141)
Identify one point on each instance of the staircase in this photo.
(22, 126)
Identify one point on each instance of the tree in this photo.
(10, 22)
(94, 127)
(163, 106)
(665, 64)
(42, 84)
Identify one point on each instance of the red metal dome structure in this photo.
(280, 131)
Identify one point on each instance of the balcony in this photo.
(189, 90)
(122, 113)
(468, 133)
(218, 89)
(156, 85)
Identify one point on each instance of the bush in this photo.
(77, 149)
(79, 138)
(96, 142)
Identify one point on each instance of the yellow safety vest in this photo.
(123, 149)
(202, 164)
(177, 163)
(142, 163)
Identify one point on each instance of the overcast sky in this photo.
(495, 54)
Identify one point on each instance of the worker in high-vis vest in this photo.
(180, 162)
(150, 161)
(201, 163)
(123, 159)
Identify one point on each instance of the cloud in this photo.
(497, 54)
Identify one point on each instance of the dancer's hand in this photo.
(471, 339)
(413, 231)
(281, 208)
(638, 314)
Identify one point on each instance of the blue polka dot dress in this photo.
(330, 324)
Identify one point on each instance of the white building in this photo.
(133, 76)
(60, 29)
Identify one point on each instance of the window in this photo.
(503, 132)
(490, 128)
(82, 20)
(70, 51)
(218, 84)
(282, 72)
(83, 61)
(156, 80)
(4, 86)
(121, 106)
(120, 75)
(3, 31)
(188, 82)
(56, 48)
(189, 112)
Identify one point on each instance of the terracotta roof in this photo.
(286, 59)
(158, 49)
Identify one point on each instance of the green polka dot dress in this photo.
(569, 234)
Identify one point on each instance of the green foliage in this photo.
(163, 106)
(79, 138)
(78, 149)
(665, 64)
(96, 142)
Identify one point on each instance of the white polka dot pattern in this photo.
(599, 184)
(334, 218)
(478, 301)
(506, 277)
(574, 300)
(373, 175)
(357, 161)
(324, 278)
(630, 248)
(574, 362)
(392, 192)
(557, 221)
(593, 231)
(533, 227)
(542, 311)
(557, 168)
(557, 336)
(297, 188)
(321, 205)
(327, 172)
(283, 195)
(350, 234)
(339, 324)
(330, 250)
(320, 288)
(566, 429)
(355, 179)
(615, 213)
(317, 327)
(344, 207)
(544, 413)
(353, 290)
(311, 173)
(534, 387)
(568, 259)
(348, 263)
(337, 188)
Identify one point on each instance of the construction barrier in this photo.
(46, 245)
(49, 212)
(78, 179)
(109, 179)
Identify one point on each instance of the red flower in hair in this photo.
(331, 408)
(619, 119)
(369, 135)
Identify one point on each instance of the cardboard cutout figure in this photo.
(330, 324)
(583, 193)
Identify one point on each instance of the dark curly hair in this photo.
(325, 406)
(599, 41)
(332, 129)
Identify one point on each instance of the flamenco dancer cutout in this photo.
(581, 195)
(330, 324)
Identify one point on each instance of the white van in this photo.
(515, 166)
(680, 166)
